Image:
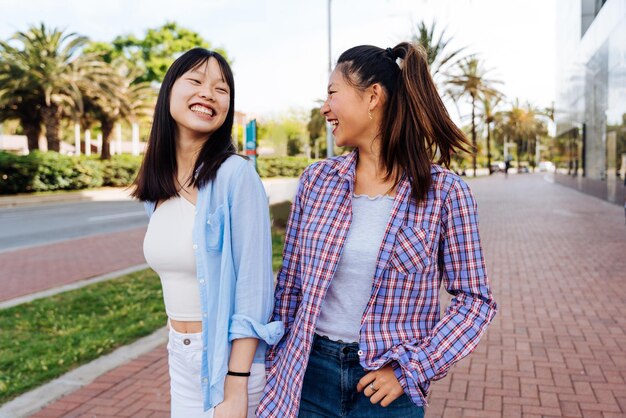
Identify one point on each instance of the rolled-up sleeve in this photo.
(472, 309)
(252, 256)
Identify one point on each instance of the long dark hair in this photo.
(155, 180)
(416, 129)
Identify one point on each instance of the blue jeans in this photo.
(329, 388)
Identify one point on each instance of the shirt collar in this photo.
(347, 165)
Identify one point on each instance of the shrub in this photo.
(282, 166)
(48, 171)
(120, 170)
(87, 173)
(15, 173)
(53, 171)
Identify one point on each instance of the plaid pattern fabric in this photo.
(424, 244)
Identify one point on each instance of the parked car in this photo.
(497, 166)
(546, 166)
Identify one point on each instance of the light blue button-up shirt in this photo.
(233, 250)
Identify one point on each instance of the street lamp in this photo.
(329, 132)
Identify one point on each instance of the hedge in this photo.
(282, 166)
(49, 171)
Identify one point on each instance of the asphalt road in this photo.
(23, 227)
(46, 223)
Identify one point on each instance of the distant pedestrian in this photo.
(371, 237)
(209, 241)
(507, 165)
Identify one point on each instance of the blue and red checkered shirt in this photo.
(424, 244)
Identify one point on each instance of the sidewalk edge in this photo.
(71, 286)
(35, 400)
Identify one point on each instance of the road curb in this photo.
(278, 189)
(90, 195)
(71, 286)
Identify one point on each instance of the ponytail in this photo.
(416, 129)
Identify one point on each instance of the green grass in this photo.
(43, 339)
(278, 240)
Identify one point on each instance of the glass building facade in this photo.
(590, 107)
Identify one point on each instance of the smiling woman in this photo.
(200, 100)
(371, 238)
(209, 240)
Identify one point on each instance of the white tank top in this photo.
(168, 249)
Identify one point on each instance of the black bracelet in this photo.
(238, 374)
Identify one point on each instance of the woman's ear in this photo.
(376, 96)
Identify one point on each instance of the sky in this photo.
(280, 47)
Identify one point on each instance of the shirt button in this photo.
(201, 281)
(195, 246)
(360, 352)
(186, 341)
(205, 380)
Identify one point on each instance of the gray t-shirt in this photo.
(351, 287)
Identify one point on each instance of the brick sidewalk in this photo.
(557, 347)
(43, 267)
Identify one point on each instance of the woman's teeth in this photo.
(202, 109)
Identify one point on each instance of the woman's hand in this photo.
(235, 404)
(381, 386)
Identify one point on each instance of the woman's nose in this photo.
(206, 94)
(325, 108)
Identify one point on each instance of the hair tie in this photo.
(391, 54)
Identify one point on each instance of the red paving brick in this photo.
(555, 349)
(43, 267)
(557, 267)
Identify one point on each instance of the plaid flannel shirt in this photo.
(424, 244)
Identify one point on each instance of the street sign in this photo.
(250, 143)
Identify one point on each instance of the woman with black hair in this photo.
(209, 240)
(371, 237)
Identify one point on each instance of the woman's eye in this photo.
(193, 80)
(222, 90)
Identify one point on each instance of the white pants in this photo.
(185, 362)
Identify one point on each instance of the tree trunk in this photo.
(489, 147)
(518, 151)
(107, 129)
(50, 116)
(474, 134)
(531, 154)
(32, 131)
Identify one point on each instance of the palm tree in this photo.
(439, 55)
(489, 115)
(471, 80)
(110, 96)
(16, 102)
(522, 125)
(49, 65)
(134, 100)
(27, 110)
